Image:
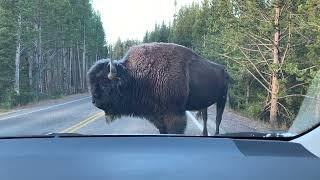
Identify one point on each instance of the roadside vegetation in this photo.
(270, 48)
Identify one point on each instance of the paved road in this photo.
(76, 115)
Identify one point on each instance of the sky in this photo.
(130, 19)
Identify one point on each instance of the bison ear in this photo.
(112, 70)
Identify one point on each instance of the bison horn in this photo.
(112, 73)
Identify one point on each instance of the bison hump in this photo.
(163, 70)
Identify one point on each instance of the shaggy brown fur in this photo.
(158, 81)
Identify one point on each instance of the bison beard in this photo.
(159, 82)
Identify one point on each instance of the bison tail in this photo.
(199, 115)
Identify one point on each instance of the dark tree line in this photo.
(161, 33)
(120, 48)
(46, 47)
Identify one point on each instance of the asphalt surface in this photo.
(77, 115)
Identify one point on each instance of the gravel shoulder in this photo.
(234, 122)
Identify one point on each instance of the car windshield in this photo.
(237, 68)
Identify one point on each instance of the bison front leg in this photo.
(157, 121)
(175, 123)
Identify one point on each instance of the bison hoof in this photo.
(205, 133)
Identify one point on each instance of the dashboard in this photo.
(154, 157)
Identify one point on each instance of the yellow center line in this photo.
(83, 123)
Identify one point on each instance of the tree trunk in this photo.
(40, 58)
(84, 59)
(274, 78)
(70, 70)
(247, 93)
(74, 72)
(64, 70)
(60, 70)
(79, 83)
(46, 81)
(37, 67)
(30, 72)
(17, 60)
(51, 85)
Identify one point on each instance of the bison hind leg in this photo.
(220, 108)
(204, 115)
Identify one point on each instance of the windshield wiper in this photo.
(50, 135)
(64, 134)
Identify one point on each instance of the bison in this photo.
(159, 82)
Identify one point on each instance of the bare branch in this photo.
(232, 58)
(301, 34)
(284, 30)
(266, 73)
(283, 36)
(302, 42)
(299, 95)
(256, 37)
(313, 24)
(263, 56)
(283, 58)
(288, 44)
(283, 7)
(248, 49)
(311, 67)
(267, 104)
(296, 85)
(263, 15)
(241, 64)
(261, 43)
(286, 110)
(259, 81)
(255, 67)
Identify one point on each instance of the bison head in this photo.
(106, 84)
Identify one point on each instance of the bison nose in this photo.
(94, 96)
(93, 101)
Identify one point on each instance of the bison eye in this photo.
(95, 96)
(96, 90)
